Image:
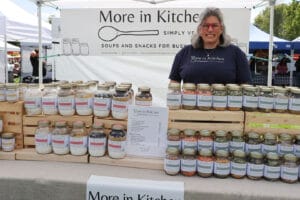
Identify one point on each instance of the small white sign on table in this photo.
(110, 188)
(147, 131)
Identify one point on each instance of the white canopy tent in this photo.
(9, 47)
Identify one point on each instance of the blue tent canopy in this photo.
(296, 44)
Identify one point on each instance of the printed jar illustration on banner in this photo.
(66, 100)
(117, 141)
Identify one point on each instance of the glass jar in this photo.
(172, 161)
(60, 138)
(294, 103)
(93, 85)
(238, 165)
(173, 138)
(130, 91)
(2, 92)
(222, 164)
(112, 85)
(78, 139)
(174, 96)
(8, 142)
(189, 139)
(83, 100)
(12, 92)
(272, 167)
(188, 162)
(66, 100)
(43, 137)
(22, 91)
(97, 140)
(286, 144)
(205, 140)
(289, 169)
(204, 96)
(102, 101)
(235, 97)
(219, 99)
(221, 141)
(237, 141)
(143, 97)
(189, 97)
(270, 143)
(253, 143)
(117, 142)
(255, 167)
(297, 146)
(266, 99)
(281, 99)
(250, 98)
(120, 102)
(49, 99)
(33, 100)
(205, 163)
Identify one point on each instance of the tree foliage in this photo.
(286, 20)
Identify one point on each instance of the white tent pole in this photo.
(5, 52)
(272, 3)
(39, 7)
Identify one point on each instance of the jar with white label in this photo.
(78, 139)
(222, 164)
(255, 167)
(270, 143)
(266, 99)
(22, 91)
(188, 162)
(130, 91)
(297, 146)
(174, 96)
(250, 98)
(143, 97)
(172, 161)
(253, 142)
(61, 138)
(205, 140)
(97, 140)
(66, 100)
(237, 141)
(2, 92)
(173, 138)
(204, 96)
(189, 97)
(49, 99)
(221, 141)
(120, 102)
(8, 142)
(289, 169)
(33, 100)
(205, 163)
(272, 167)
(189, 139)
(235, 97)
(102, 101)
(281, 99)
(294, 103)
(286, 144)
(117, 142)
(238, 165)
(43, 137)
(219, 99)
(84, 100)
(12, 92)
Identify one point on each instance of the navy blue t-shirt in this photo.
(220, 65)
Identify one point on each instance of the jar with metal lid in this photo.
(112, 85)
(204, 96)
(289, 169)
(219, 99)
(61, 138)
(281, 99)
(117, 142)
(250, 98)
(266, 99)
(12, 92)
(255, 167)
(8, 142)
(93, 85)
(270, 143)
(84, 100)
(237, 141)
(49, 99)
(120, 102)
(286, 144)
(188, 162)
(272, 167)
(174, 96)
(173, 138)
(205, 140)
(235, 97)
(172, 161)
(130, 91)
(297, 146)
(222, 164)
(102, 101)
(294, 103)
(189, 96)
(238, 165)
(253, 142)
(66, 100)
(189, 139)
(33, 100)
(97, 140)
(205, 163)
(221, 141)
(43, 137)
(2, 92)
(143, 97)
(78, 139)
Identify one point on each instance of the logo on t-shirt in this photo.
(203, 59)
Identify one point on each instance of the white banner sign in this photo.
(140, 31)
(110, 188)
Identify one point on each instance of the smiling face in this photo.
(210, 31)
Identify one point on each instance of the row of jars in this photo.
(254, 165)
(78, 141)
(233, 97)
(234, 140)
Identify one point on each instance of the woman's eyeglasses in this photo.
(206, 26)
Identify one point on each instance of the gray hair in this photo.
(197, 41)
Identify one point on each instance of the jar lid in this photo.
(203, 86)
(266, 89)
(189, 132)
(111, 83)
(280, 89)
(253, 135)
(216, 84)
(270, 136)
(66, 86)
(174, 85)
(144, 89)
(222, 153)
(121, 88)
(61, 82)
(272, 156)
(43, 123)
(189, 152)
(295, 90)
(60, 124)
(92, 82)
(173, 131)
(78, 124)
(239, 154)
(234, 87)
(172, 151)
(219, 87)
(256, 154)
(189, 86)
(220, 133)
(205, 152)
(236, 133)
(118, 127)
(285, 137)
(290, 157)
(33, 85)
(103, 87)
(50, 85)
(245, 85)
(8, 135)
(126, 83)
(97, 125)
(82, 86)
(250, 88)
(205, 133)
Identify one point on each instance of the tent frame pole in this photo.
(270, 57)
